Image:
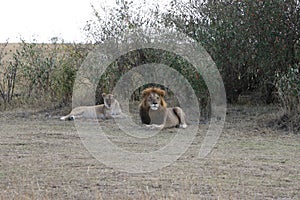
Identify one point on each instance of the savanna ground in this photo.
(42, 157)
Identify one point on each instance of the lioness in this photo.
(109, 109)
(154, 112)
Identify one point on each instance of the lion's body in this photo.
(170, 117)
(109, 109)
(154, 112)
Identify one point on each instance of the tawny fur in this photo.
(154, 112)
(109, 109)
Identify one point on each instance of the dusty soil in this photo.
(44, 158)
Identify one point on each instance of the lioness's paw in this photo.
(72, 117)
(150, 126)
(182, 126)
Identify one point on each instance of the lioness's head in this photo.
(109, 100)
(154, 98)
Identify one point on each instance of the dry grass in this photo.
(44, 158)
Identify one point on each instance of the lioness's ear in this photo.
(103, 95)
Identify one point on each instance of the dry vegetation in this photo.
(44, 158)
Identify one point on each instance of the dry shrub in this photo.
(39, 74)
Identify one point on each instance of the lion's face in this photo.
(109, 100)
(154, 101)
(154, 98)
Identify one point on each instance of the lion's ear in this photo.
(161, 92)
(103, 95)
(144, 93)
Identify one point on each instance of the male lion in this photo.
(154, 112)
(109, 109)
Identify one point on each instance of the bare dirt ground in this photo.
(44, 158)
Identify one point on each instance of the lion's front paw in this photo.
(182, 126)
(155, 126)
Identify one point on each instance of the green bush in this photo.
(289, 92)
(125, 16)
(250, 41)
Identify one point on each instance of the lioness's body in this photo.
(109, 109)
(154, 112)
